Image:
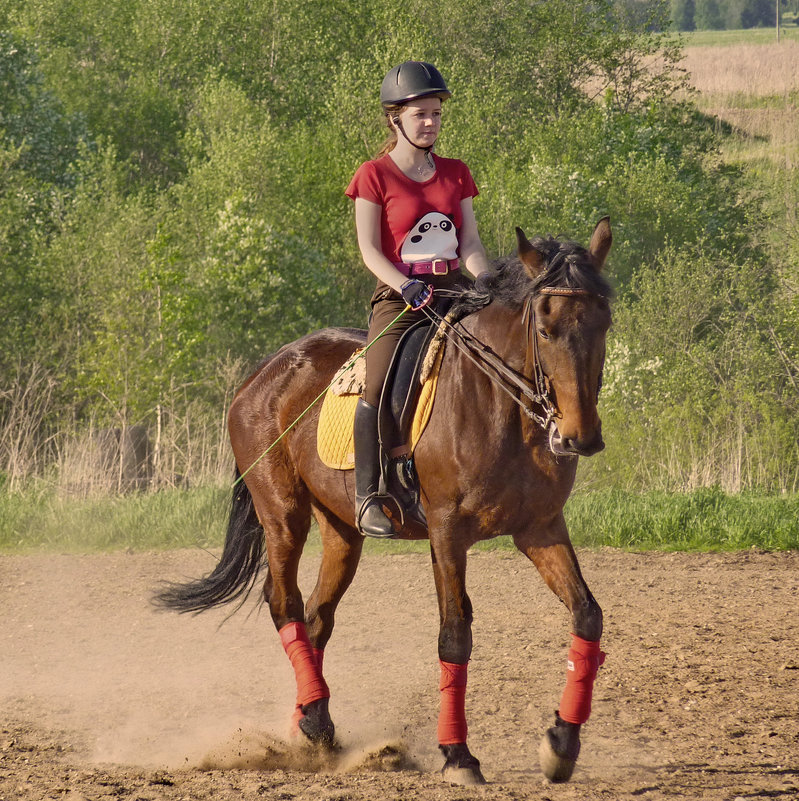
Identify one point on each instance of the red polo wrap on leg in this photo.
(585, 657)
(452, 716)
(307, 663)
(319, 655)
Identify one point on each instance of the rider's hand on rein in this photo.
(416, 293)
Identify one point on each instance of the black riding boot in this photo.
(370, 518)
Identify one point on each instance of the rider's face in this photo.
(421, 120)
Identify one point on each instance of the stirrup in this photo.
(371, 502)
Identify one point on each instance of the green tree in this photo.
(683, 14)
(756, 13)
(691, 379)
(32, 119)
(39, 145)
(709, 15)
(209, 224)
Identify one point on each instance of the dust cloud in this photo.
(86, 652)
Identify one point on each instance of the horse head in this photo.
(568, 320)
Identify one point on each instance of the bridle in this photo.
(540, 378)
(537, 391)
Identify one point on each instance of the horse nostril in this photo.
(567, 443)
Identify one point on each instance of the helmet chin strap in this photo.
(398, 123)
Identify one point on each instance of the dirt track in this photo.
(102, 698)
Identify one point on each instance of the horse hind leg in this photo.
(560, 746)
(286, 518)
(341, 552)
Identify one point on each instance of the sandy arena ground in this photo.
(103, 698)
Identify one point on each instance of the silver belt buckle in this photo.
(435, 264)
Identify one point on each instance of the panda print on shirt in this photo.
(433, 237)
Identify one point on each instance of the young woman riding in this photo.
(416, 225)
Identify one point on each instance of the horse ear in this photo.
(601, 240)
(532, 260)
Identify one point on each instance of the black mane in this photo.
(507, 282)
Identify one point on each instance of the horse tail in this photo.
(235, 574)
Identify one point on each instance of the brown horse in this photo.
(516, 404)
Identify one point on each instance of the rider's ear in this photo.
(532, 260)
(601, 240)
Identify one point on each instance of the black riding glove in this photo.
(416, 293)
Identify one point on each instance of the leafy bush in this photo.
(694, 390)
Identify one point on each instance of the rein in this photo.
(539, 389)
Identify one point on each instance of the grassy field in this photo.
(788, 31)
(37, 520)
(705, 520)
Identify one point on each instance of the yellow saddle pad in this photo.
(334, 440)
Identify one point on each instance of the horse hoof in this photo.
(316, 724)
(556, 768)
(559, 750)
(461, 767)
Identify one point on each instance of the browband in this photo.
(562, 290)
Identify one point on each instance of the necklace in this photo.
(416, 172)
(427, 167)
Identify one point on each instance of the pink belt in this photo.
(436, 267)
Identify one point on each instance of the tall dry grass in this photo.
(755, 89)
(183, 442)
(744, 69)
(25, 404)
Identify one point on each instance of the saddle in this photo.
(405, 406)
(402, 388)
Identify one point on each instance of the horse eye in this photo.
(542, 332)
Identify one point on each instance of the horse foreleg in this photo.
(454, 650)
(557, 564)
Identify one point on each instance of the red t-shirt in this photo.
(420, 220)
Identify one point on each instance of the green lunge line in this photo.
(321, 395)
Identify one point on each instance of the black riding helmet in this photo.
(410, 81)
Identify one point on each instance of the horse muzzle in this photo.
(574, 446)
